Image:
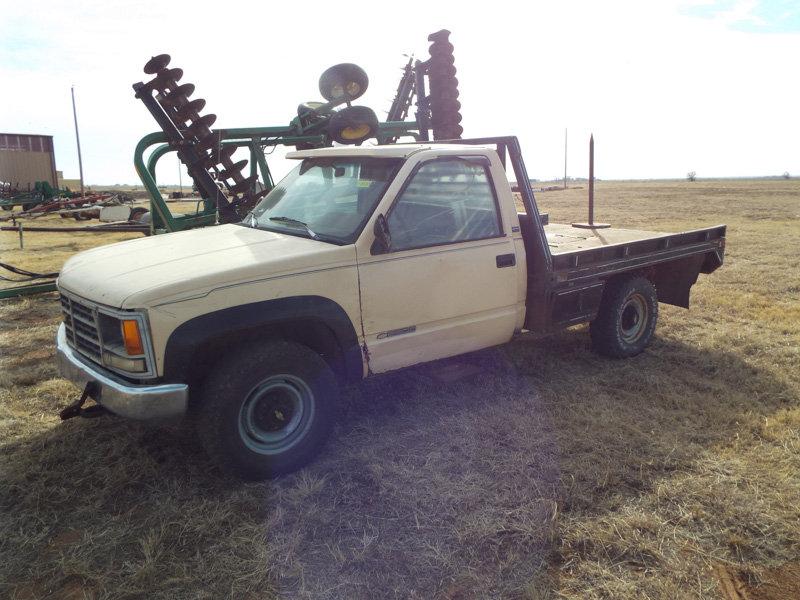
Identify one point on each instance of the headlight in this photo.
(125, 345)
(114, 338)
(132, 365)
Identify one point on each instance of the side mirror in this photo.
(383, 239)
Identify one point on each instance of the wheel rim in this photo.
(353, 89)
(354, 133)
(276, 414)
(634, 317)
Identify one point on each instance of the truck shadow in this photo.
(451, 487)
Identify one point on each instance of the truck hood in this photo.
(188, 264)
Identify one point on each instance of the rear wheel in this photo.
(267, 409)
(626, 319)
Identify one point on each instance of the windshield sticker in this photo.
(363, 183)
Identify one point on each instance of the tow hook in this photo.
(76, 408)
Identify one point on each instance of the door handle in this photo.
(506, 260)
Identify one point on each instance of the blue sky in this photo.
(666, 86)
(774, 16)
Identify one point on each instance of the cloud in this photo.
(771, 16)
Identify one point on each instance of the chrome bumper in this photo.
(140, 402)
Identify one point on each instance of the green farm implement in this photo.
(42, 192)
(228, 194)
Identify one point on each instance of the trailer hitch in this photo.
(76, 408)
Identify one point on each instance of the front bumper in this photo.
(140, 402)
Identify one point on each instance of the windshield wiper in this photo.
(291, 221)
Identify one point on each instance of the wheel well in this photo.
(195, 346)
(310, 333)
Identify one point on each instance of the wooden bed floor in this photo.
(562, 238)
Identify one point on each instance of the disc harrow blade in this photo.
(232, 171)
(219, 157)
(244, 185)
(207, 143)
(198, 146)
(190, 110)
(202, 126)
(179, 96)
(166, 78)
(156, 63)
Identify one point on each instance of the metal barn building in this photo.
(26, 159)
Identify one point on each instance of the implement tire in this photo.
(626, 319)
(267, 409)
(353, 125)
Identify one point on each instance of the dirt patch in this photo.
(730, 583)
(780, 583)
(777, 583)
(65, 539)
(75, 587)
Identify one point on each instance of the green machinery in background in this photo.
(228, 193)
(26, 199)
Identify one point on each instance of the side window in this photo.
(446, 201)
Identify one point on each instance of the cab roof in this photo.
(387, 150)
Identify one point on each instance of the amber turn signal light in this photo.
(132, 337)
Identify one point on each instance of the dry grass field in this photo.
(548, 472)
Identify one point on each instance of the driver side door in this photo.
(447, 285)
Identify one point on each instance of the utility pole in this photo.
(591, 180)
(77, 138)
(180, 177)
(590, 224)
(565, 158)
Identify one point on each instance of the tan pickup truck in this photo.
(361, 261)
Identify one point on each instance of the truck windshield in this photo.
(328, 199)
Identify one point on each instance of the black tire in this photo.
(353, 125)
(7, 206)
(137, 212)
(306, 146)
(248, 399)
(343, 83)
(626, 319)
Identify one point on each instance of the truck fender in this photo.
(317, 322)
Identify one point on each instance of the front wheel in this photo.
(626, 319)
(267, 409)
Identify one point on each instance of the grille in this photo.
(83, 333)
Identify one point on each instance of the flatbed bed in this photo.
(568, 267)
(565, 239)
